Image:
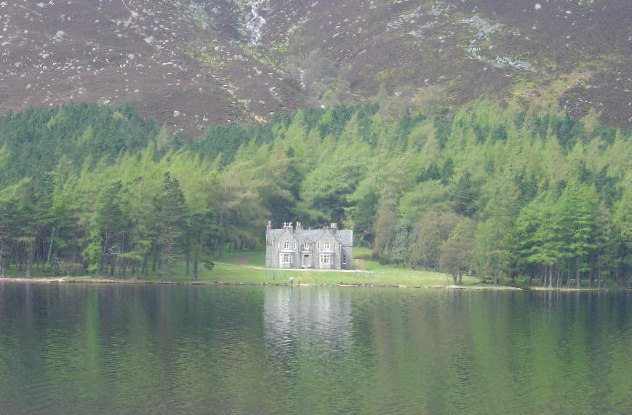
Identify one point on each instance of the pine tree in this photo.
(575, 214)
(169, 226)
(107, 229)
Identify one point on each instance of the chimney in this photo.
(299, 227)
(269, 225)
(334, 226)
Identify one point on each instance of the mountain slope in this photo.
(190, 63)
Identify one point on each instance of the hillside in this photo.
(191, 63)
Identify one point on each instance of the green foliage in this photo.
(430, 233)
(457, 252)
(497, 192)
(169, 225)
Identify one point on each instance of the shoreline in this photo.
(132, 281)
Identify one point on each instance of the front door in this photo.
(307, 261)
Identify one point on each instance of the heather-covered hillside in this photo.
(192, 63)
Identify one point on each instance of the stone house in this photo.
(295, 247)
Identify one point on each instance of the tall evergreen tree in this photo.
(169, 226)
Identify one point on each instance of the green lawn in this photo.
(248, 268)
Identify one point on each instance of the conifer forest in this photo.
(503, 192)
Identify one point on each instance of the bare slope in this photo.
(192, 62)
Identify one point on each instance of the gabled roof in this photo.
(344, 236)
(275, 233)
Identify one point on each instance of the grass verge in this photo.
(247, 268)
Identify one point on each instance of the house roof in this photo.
(344, 236)
(275, 233)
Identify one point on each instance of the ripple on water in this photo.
(278, 350)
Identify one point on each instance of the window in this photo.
(285, 258)
(344, 259)
(294, 245)
(327, 246)
(325, 259)
(286, 245)
(306, 246)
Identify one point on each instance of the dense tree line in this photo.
(502, 192)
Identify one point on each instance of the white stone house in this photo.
(295, 247)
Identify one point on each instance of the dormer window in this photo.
(327, 246)
(286, 245)
(306, 246)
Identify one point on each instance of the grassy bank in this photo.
(247, 268)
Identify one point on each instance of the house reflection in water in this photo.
(306, 320)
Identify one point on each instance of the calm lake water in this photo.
(112, 349)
